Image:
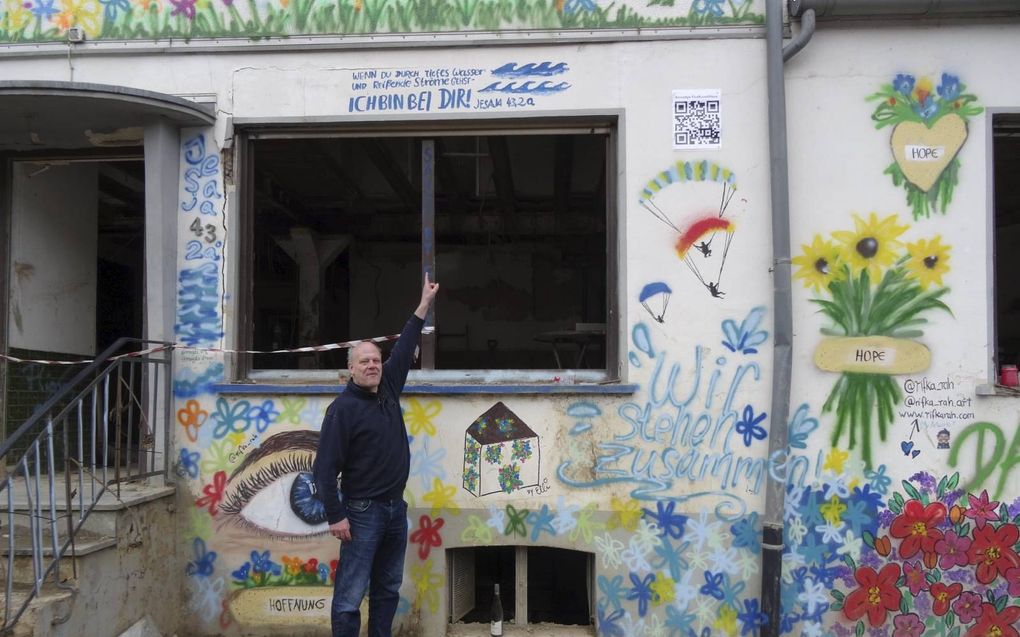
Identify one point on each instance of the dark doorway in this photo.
(78, 266)
(121, 252)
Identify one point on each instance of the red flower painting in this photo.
(995, 624)
(914, 574)
(992, 551)
(954, 573)
(981, 510)
(213, 493)
(917, 527)
(427, 535)
(876, 595)
(942, 596)
(952, 550)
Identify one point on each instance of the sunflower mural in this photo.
(929, 129)
(876, 291)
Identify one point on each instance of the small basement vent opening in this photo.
(538, 585)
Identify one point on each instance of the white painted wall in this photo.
(53, 272)
(836, 160)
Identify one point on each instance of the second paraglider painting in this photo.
(691, 200)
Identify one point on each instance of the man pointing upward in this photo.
(364, 439)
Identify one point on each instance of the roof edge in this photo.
(200, 113)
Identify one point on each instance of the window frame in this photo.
(995, 115)
(245, 133)
(6, 204)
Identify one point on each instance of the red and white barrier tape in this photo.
(143, 352)
(297, 350)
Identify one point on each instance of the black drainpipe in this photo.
(782, 353)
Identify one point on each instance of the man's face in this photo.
(366, 366)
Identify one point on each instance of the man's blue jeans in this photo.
(374, 561)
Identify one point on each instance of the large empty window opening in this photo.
(538, 585)
(1006, 149)
(514, 225)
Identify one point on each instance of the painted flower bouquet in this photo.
(929, 128)
(940, 563)
(876, 291)
(256, 594)
(261, 571)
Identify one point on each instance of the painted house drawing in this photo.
(501, 453)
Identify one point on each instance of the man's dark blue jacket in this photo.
(363, 435)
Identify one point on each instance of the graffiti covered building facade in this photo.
(591, 417)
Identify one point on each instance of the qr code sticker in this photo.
(697, 121)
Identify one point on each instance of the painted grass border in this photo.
(216, 18)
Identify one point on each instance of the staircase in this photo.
(124, 541)
(86, 501)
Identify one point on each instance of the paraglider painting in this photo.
(654, 298)
(704, 237)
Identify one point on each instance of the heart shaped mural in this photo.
(929, 129)
(923, 153)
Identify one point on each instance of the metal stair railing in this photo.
(112, 416)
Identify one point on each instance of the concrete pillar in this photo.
(521, 585)
(162, 168)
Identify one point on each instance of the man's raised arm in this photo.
(402, 354)
(428, 294)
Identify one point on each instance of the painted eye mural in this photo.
(705, 237)
(272, 492)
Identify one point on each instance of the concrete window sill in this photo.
(997, 390)
(424, 389)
